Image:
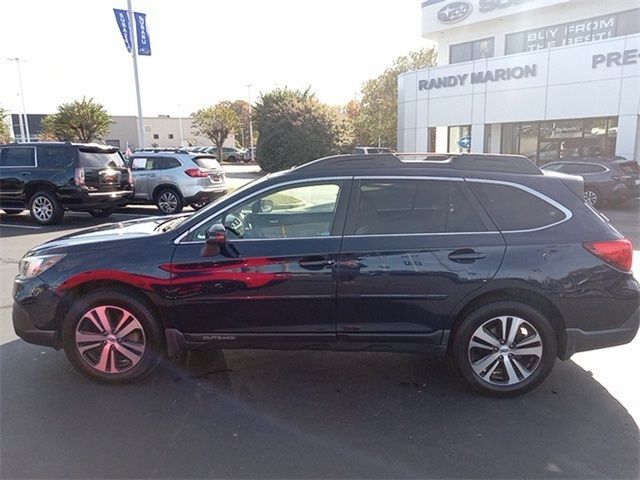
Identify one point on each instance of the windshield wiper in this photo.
(170, 224)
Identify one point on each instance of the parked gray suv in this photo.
(173, 179)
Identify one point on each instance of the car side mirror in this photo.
(216, 235)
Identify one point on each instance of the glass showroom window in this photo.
(459, 136)
(545, 142)
(465, 52)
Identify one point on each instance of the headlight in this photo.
(33, 266)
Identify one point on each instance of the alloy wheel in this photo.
(168, 202)
(110, 339)
(591, 197)
(505, 350)
(42, 209)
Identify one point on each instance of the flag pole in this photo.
(134, 56)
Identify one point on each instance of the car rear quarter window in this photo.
(512, 208)
(18, 157)
(98, 159)
(413, 206)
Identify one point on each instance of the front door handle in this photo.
(152, 174)
(26, 173)
(466, 255)
(316, 263)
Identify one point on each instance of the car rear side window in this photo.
(414, 206)
(513, 208)
(578, 168)
(18, 157)
(55, 156)
(165, 163)
(99, 159)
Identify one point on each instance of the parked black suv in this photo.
(49, 178)
(482, 257)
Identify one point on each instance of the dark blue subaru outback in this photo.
(483, 258)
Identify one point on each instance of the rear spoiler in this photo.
(575, 183)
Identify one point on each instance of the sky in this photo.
(203, 51)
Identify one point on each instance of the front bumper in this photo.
(34, 307)
(580, 341)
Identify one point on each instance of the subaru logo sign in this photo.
(465, 142)
(454, 12)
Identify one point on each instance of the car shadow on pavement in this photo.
(262, 414)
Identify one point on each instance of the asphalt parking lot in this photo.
(262, 414)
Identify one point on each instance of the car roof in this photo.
(417, 164)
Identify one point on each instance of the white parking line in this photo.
(20, 226)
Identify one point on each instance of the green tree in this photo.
(79, 121)
(241, 107)
(5, 134)
(295, 128)
(216, 123)
(375, 117)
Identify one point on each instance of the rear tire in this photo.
(112, 337)
(45, 208)
(592, 197)
(504, 349)
(198, 205)
(101, 212)
(169, 201)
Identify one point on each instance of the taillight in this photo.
(622, 178)
(78, 177)
(618, 253)
(196, 173)
(131, 181)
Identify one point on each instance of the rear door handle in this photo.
(466, 255)
(316, 263)
(26, 173)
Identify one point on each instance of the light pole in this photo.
(253, 156)
(180, 125)
(24, 130)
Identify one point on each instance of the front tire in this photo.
(45, 208)
(169, 201)
(112, 337)
(504, 349)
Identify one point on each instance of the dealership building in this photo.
(548, 79)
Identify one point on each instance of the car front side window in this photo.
(290, 211)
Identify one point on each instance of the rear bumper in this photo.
(207, 195)
(623, 192)
(81, 200)
(580, 341)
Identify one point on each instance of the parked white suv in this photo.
(172, 179)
